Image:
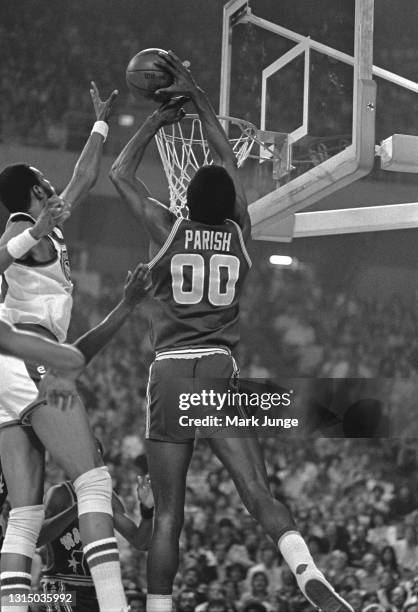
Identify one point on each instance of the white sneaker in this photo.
(318, 590)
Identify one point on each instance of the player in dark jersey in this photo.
(67, 569)
(198, 267)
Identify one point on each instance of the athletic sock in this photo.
(12, 584)
(295, 552)
(103, 559)
(159, 603)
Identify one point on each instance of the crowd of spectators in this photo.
(49, 58)
(354, 500)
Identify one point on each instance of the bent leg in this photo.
(243, 459)
(67, 435)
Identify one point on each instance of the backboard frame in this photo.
(357, 160)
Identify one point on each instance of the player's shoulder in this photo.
(20, 217)
(16, 224)
(242, 238)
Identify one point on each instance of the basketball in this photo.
(144, 77)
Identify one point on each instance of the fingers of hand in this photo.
(173, 57)
(112, 97)
(168, 61)
(68, 402)
(94, 90)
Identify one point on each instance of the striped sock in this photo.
(159, 603)
(12, 584)
(103, 559)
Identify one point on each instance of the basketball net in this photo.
(184, 149)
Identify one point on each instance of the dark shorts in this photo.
(174, 377)
(85, 597)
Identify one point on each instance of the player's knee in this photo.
(23, 530)
(94, 491)
(169, 522)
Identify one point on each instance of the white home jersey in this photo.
(40, 294)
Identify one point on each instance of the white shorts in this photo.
(18, 391)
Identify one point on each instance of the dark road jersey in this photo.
(66, 559)
(197, 278)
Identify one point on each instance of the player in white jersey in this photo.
(37, 291)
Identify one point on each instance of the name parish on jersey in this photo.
(207, 240)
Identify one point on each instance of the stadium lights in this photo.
(126, 120)
(281, 260)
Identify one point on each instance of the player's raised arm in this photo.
(31, 347)
(58, 386)
(138, 536)
(87, 167)
(220, 147)
(136, 287)
(156, 217)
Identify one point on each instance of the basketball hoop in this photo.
(184, 149)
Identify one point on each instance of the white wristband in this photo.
(101, 127)
(19, 245)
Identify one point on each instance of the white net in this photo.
(184, 149)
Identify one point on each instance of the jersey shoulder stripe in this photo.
(166, 244)
(19, 216)
(242, 242)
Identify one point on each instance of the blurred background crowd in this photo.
(49, 58)
(354, 500)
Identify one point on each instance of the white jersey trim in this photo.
(191, 353)
(242, 243)
(148, 408)
(166, 244)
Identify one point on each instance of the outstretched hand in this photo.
(144, 491)
(183, 83)
(54, 212)
(137, 285)
(102, 108)
(171, 111)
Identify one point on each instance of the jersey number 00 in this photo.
(196, 263)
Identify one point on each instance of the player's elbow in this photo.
(70, 358)
(117, 174)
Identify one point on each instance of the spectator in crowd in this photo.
(389, 561)
(269, 566)
(258, 591)
(407, 552)
(368, 574)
